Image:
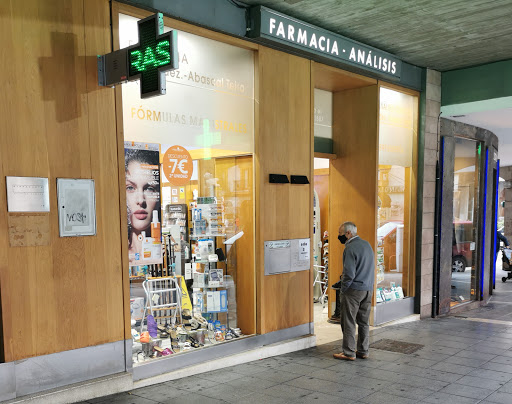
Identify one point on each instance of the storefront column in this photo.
(433, 107)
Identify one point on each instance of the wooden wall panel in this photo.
(353, 175)
(283, 145)
(246, 279)
(59, 124)
(322, 188)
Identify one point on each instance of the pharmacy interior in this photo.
(366, 174)
(189, 199)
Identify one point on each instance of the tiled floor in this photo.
(465, 359)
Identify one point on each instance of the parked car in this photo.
(463, 246)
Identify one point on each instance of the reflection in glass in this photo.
(397, 123)
(465, 220)
(393, 230)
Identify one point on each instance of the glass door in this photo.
(465, 220)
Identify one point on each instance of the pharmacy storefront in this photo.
(191, 195)
(205, 253)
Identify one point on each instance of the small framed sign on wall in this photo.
(77, 207)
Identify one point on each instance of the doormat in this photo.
(396, 346)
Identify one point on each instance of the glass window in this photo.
(465, 220)
(397, 130)
(189, 193)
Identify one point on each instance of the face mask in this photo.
(343, 239)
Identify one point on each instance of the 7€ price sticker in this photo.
(177, 165)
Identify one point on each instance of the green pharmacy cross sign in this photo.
(155, 53)
(147, 61)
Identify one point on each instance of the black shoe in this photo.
(337, 285)
(334, 320)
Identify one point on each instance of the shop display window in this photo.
(465, 220)
(190, 199)
(397, 133)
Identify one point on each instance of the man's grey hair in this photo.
(351, 227)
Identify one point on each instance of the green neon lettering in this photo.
(149, 58)
(136, 59)
(162, 49)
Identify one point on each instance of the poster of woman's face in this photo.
(142, 170)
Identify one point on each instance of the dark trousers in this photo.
(355, 307)
(337, 307)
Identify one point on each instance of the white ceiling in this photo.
(499, 122)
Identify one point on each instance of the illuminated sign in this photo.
(155, 53)
(272, 27)
(147, 61)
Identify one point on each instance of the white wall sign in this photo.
(77, 207)
(282, 256)
(323, 114)
(27, 194)
(274, 27)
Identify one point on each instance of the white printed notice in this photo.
(77, 207)
(304, 249)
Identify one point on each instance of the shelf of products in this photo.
(390, 294)
(167, 321)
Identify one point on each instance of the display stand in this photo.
(163, 295)
(322, 278)
(210, 289)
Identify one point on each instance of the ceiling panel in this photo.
(439, 34)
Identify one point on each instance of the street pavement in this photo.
(464, 359)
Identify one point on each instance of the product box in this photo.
(389, 295)
(223, 300)
(206, 247)
(198, 301)
(212, 301)
(215, 278)
(217, 301)
(199, 281)
(152, 249)
(379, 295)
(137, 308)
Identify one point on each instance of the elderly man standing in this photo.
(356, 292)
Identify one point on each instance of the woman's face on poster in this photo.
(142, 194)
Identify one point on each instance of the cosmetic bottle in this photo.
(155, 228)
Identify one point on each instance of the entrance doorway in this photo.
(345, 180)
(365, 172)
(327, 328)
